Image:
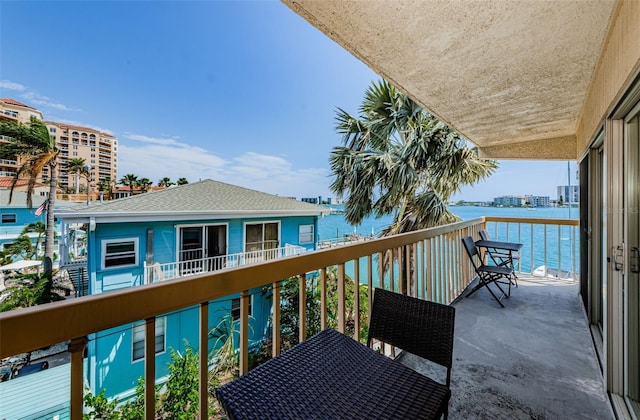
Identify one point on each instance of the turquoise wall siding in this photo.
(24, 216)
(111, 366)
(110, 352)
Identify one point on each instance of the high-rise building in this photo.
(98, 149)
(565, 196)
(12, 110)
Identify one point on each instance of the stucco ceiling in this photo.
(511, 76)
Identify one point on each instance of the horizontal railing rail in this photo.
(167, 271)
(429, 264)
(550, 246)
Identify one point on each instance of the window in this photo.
(119, 253)
(235, 307)
(75, 153)
(9, 218)
(305, 234)
(138, 338)
(261, 236)
(75, 147)
(52, 130)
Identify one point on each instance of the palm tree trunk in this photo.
(49, 236)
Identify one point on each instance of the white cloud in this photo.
(33, 98)
(157, 157)
(276, 175)
(6, 84)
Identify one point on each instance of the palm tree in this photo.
(36, 149)
(129, 180)
(182, 181)
(165, 182)
(106, 184)
(144, 184)
(39, 228)
(77, 166)
(398, 159)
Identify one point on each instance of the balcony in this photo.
(192, 262)
(8, 162)
(533, 358)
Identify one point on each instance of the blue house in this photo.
(15, 216)
(180, 231)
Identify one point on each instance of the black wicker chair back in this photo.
(417, 326)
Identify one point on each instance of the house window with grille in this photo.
(261, 236)
(120, 253)
(9, 218)
(138, 338)
(305, 234)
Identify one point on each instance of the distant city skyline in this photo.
(243, 93)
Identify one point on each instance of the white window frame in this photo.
(310, 235)
(15, 218)
(139, 329)
(260, 222)
(233, 317)
(136, 250)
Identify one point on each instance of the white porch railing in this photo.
(160, 272)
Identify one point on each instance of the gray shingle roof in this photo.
(204, 197)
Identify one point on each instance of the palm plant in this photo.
(36, 149)
(399, 159)
(40, 229)
(129, 180)
(144, 184)
(182, 181)
(165, 182)
(78, 167)
(106, 184)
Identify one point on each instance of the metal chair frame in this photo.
(488, 274)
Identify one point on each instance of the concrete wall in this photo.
(616, 70)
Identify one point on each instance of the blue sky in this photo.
(242, 92)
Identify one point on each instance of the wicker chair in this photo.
(417, 326)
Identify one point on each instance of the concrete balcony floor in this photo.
(533, 359)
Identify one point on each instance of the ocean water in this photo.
(551, 246)
(335, 226)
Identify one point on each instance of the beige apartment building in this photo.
(12, 110)
(98, 149)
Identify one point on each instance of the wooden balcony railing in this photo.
(430, 264)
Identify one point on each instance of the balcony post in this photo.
(204, 360)
(356, 299)
(150, 369)
(341, 311)
(244, 332)
(275, 342)
(76, 348)
(302, 307)
(323, 298)
(370, 286)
